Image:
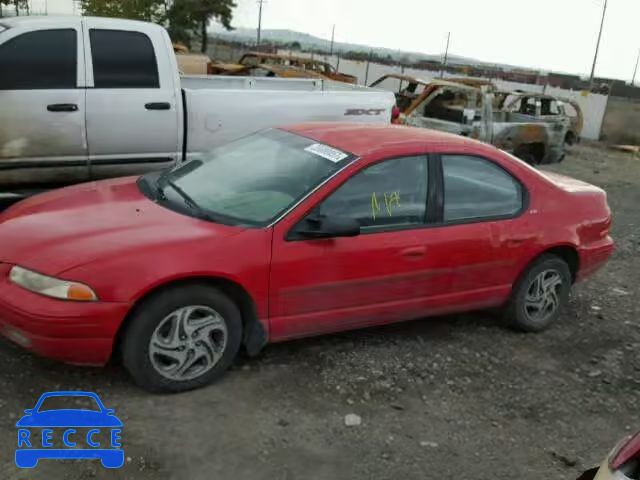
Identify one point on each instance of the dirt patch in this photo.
(450, 397)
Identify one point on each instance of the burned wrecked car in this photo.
(295, 64)
(529, 106)
(471, 111)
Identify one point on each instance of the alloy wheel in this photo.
(188, 342)
(543, 296)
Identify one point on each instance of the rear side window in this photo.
(475, 188)
(40, 60)
(123, 59)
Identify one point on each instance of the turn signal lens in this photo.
(80, 292)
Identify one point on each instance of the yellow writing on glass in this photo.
(391, 200)
(375, 208)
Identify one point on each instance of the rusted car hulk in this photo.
(470, 111)
(287, 65)
(546, 108)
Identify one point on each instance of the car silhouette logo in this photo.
(36, 432)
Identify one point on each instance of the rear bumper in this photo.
(594, 256)
(72, 332)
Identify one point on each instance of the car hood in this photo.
(69, 418)
(62, 229)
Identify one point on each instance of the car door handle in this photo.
(414, 252)
(158, 106)
(63, 107)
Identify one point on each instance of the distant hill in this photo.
(306, 41)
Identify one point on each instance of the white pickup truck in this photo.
(86, 98)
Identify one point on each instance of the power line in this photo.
(260, 2)
(595, 58)
(446, 55)
(333, 36)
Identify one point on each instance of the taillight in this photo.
(629, 450)
(395, 114)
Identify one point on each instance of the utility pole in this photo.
(635, 71)
(333, 36)
(446, 54)
(595, 58)
(260, 2)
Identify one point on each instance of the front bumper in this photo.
(73, 332)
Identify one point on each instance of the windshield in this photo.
(66, 402)
(255, 179)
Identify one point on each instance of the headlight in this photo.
(51, 287)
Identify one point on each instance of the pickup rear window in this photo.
(123, 59)
(43, 59)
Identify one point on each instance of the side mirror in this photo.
(29, 411)
(329, 227)
(109, 411)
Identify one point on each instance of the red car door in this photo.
(385, 274)
(479, 224)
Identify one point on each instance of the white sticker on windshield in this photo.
(327, 152)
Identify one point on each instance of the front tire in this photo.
(540, 295)
(182, 338)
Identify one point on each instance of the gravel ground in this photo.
(451, 397)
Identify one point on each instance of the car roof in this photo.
(71, 393)
(49, 19)
(360, 139)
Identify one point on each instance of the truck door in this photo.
(42, 105)
(133, 109)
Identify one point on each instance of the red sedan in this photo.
(289, 233)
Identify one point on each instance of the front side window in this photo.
(389, 193)
(475, 188)
(123, 59)
(40, 60)
(253, 180)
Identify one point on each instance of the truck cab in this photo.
(84, 97)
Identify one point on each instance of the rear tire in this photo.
(570, 139)
(526, 155)
(539, 295)
(182, 338)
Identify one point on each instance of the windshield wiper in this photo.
(165, 182)
(190, 202)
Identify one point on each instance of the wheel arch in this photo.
(565, 251)
(255, 333)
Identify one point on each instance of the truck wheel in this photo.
(182, 338)
(538, 297)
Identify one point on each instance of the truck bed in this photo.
(221, 82)
(223, 108)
